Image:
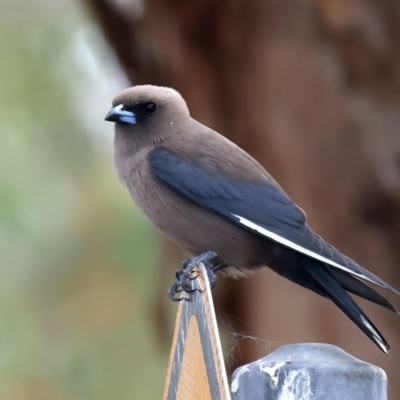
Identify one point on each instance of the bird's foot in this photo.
(186, 275)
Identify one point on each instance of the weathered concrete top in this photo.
(309, 371)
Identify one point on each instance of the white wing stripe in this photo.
(294, 246)
(376, 335)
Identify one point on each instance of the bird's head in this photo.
(147, 114)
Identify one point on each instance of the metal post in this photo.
(309, 371)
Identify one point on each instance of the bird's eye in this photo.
(150, 107)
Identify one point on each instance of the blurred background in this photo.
(310, 88)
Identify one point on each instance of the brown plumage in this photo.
(207, 194)
(173, 215)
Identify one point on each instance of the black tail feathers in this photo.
(337, 293)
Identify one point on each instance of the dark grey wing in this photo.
(263, 204)
(262, 208)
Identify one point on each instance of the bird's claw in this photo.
(174, 291)
(186, 275)
(204, 258)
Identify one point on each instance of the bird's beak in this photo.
(119, 114)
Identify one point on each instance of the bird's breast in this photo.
(190, 226)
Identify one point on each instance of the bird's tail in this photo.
(356, 286)
(342, 299)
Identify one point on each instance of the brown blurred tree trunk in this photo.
(311, 89)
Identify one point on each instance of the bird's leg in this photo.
(212, 273)
(192, 262)
(185, 276)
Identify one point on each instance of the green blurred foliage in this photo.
(77, 259)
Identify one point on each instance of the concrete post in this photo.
(309, 371)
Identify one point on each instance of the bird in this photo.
(217, 202)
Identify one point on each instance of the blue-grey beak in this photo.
(119, 114)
